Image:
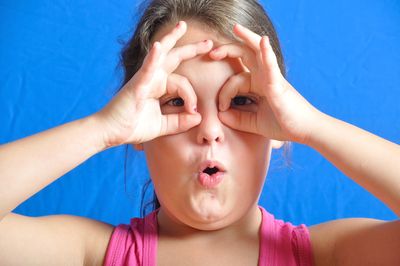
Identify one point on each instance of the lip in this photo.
(210, 181)
(212, 164)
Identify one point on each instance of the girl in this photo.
(206, 104)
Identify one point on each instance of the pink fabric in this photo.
(280, 243)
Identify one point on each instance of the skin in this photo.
(194, 220)
(174, 160)
(282, 114)
(141, 115)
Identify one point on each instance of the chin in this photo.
(208, 215)
(209, 227)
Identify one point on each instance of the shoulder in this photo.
(53, 240)
(95, 235)
(356, 241)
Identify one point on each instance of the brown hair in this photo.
(218, 15)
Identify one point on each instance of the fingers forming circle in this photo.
(235, 84)
(180, 85)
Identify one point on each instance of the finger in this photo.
(169, 41)
(239, 120)
(235, 84)
(177, 123)
(179, 85)
(249, 37)
(232, 50)
(269, 60)
(186, 52)
(146, 73)
(151, 61)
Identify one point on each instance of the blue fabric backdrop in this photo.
(59, 62)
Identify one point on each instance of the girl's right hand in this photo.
(134, 114)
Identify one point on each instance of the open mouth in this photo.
(211, 171)
(211, 174)
(211, 167)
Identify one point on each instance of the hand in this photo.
(282, 113)
(134, 115)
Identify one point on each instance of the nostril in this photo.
(210, 133)
(209, 140)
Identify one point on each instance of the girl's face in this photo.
(174, 161)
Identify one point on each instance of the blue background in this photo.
(59, 62)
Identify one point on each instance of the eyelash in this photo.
(237, 97)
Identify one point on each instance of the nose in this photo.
(210, 129)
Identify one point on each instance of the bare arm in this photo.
(371, 161)
(132, 116)
(30, 164)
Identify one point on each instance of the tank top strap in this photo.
(150, 239)
(267, 236)
(282, 243)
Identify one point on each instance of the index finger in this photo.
(251, 38)
(169, 41)
(237, 51)
(186, 52)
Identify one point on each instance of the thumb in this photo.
(239, 120)
(178, 123)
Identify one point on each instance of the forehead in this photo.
(197, 32)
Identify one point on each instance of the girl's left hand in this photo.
(282, 113)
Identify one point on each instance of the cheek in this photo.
(252, 145)
(254, 162)
(165, 155)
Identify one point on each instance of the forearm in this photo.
(30, 164)
(371, 161)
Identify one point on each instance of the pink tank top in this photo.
(280, 243)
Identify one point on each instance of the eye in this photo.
(241, 100)
(175, 102)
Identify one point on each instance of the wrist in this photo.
(94, 125)
(318, 129)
